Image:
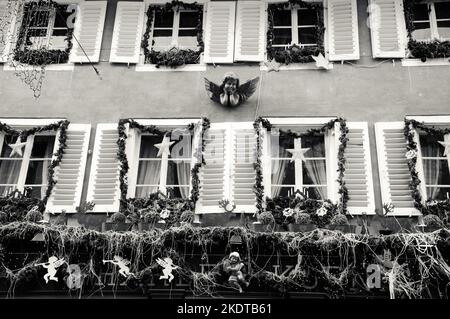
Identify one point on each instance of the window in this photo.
(431, 21)
(435, 166)
(26, 165)
(174, 29)
(45, 27)
(295, 26)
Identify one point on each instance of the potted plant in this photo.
(303, 223)
(265, 223)
(340, 222)
(3, 217)
(117, 222)
(432, 222)
(34, 215)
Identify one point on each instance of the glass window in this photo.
(442, 10)
(282, 27)
(431, 21)
(422, 27)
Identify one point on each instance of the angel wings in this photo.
(230, 93)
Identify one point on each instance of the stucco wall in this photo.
(368, 91)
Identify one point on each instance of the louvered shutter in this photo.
(104, 188)
(8, 25)
(343, 30)
(213, 176)
(393, 167)
(127, 35)
(250, 31)
(3, 34)
(388, 29)
(219, 32)
(358, 170)
(242, 167)
(69, 175)
(89, 31)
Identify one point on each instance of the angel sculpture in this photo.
(52, 267)
(168, 266)
(123, 265)
(230, 93)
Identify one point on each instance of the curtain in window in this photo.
(149, 171)
(431, 168)
(9, 174)
(316, 169)
(279, 167)
(184, 175)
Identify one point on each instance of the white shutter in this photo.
(8, 25)
(104, 188)
(89, 24)
(219, 32)
(213, 176)
(69, 175)
(242, 167)
(3, 33)
(388, 29)
(250, 31)
(343, 30)
(393, 167)
(358, 170)
(127, 35)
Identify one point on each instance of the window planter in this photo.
(302, 228)
(265, 228)
(343, 228)
(120, 227)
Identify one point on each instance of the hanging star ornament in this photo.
(321, 62)
(445, 144)
(164, 146)
(297, 153)
(16, 148)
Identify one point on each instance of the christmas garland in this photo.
(313, 254)
(258, 188)
(41, 56)
(439, 208)
(295, 53)
(22, 135)
(174, 57)
(422, 49)
(152, 129)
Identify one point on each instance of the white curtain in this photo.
(432, 168)
(149, 172)
(317, 172)
(9, 174)
(184, 176)
(279, 166)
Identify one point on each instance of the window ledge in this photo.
(183, 68)
(295, 66)
(428, 62)
(52, 67)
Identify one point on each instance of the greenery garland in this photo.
(41, 57)
(439, 208)
(264, 123)
(295, 53)
(22, 135)
(152, 129)
(422, 49)
(174, 57)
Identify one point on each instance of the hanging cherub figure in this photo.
(51, 266)
(123, 265)
(168, 266)
(234, 267)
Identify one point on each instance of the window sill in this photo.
(295, 66)
(428, 62)
(52, 67)
(183, 68)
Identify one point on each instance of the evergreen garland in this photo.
(295, 53)
(61, 127)
(174, 57)
(151, 129)
(261, 123)
(42, 56)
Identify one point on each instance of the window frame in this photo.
(133, 145)
(331, 141)
(434, 30)
(27, 149)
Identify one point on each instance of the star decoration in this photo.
(321, 62)
(272, 65)
(164, 146)
(16, 148)
(298, 153)
(445, 144)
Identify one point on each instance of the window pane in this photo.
(62, 18)
(182, 148)
(144, 191)
(188, 42)
(188, 19)
(37, 172)
(149, 172)
(162, 39)
(436, 172)
(440, 193)
(6, 150)
(282, 191)
(43, 146)
(307, 35)
(307, 17)
(279, 144)
(442, 10)
(316, 144)
(179, 173)
(421, 12)
(37, 18)
(148, 149)
(5, 190)
(314, 172)
(37, 191)
(430, 146)
(188, 33)
(9, 171)
(444, 29)
(282, 36)
(282, 18)
(163, 19)
(315, 192)
(422, 31)
(283, 172)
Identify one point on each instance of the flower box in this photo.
(302, 228)
(119, 227)
(149, 226)
(343, 228)
(265, 228)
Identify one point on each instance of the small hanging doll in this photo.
(234, 267)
